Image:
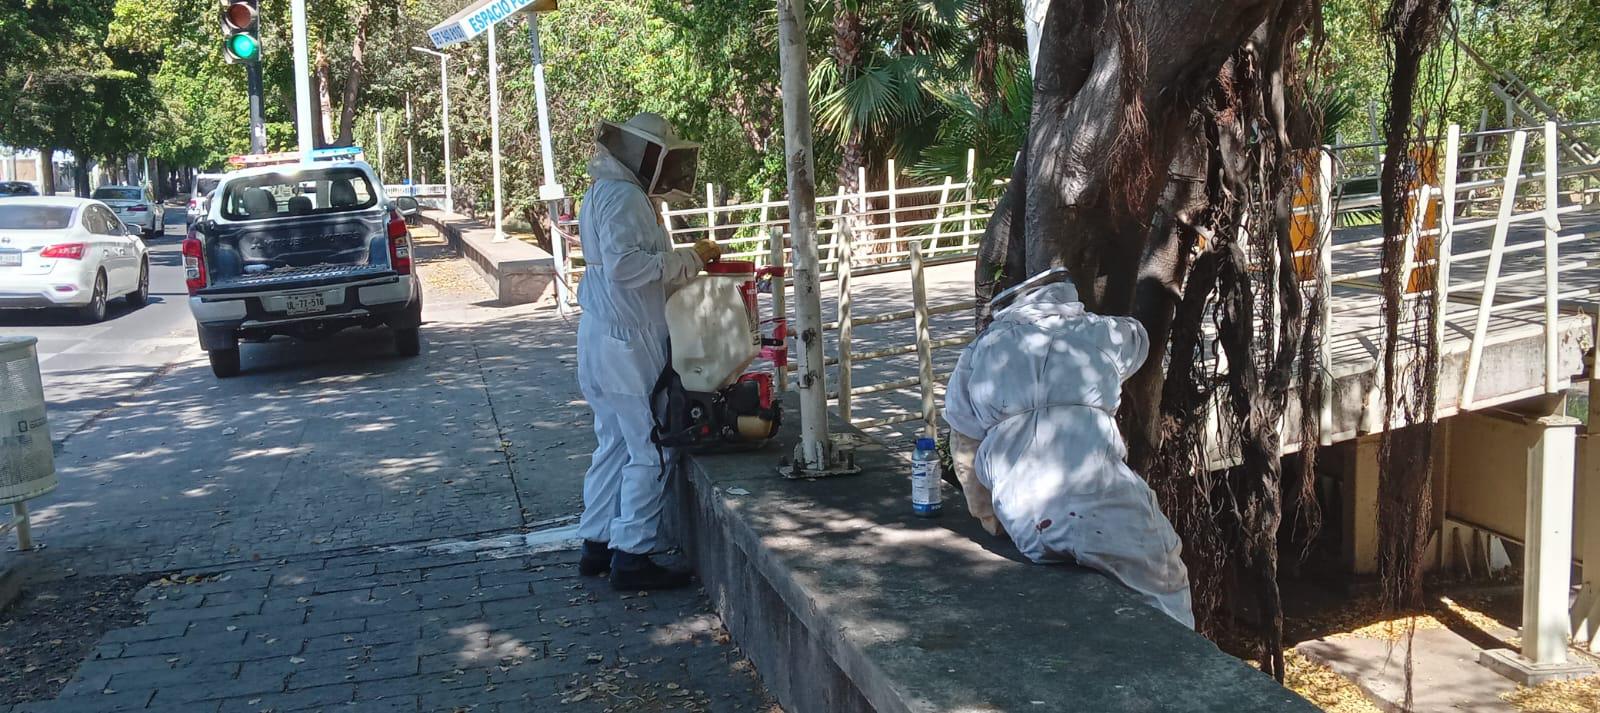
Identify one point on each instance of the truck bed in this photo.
(296, 251)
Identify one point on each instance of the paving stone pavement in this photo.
(411, 629)
(324, 505)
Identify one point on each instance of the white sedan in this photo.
(135, 205)
(68, 252)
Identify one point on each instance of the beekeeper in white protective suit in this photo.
(1031, 407)
(622, 340)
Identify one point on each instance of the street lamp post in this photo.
(444, 114)
(494, 134)
(377, 118)
(302, 78)
(551, 192)
(409, 176)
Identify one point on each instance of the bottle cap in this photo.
(925, 443)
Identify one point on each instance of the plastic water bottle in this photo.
(925, 500)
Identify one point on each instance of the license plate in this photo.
(304, 304)
(10, 259)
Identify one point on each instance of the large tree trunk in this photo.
(1106, 116)
(1002, 255)
(47, 171)
(847, 41)
(80, 174)
(352, 81)
(1149, 147)
(321, 78)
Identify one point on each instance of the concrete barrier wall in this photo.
(517, 272)
(846, 602)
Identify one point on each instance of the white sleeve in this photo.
(959, 411)
(621, 232)
(1125, 341)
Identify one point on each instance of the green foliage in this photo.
(63, 87)
(995, 130)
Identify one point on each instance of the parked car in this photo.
(135, 206)
(303, 250)
(9, 189)
(204, 184)
(68, 252)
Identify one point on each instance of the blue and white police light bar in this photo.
(337, 153)
(475, 19)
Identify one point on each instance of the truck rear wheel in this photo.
(408, 341)
(224, 362)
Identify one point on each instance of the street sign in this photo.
(475, 19)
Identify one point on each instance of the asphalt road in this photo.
(86, 366)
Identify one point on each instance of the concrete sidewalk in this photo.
(337, 529)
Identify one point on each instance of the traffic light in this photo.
(241, 31)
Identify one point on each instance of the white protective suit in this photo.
(622, 349)
(1039, 389)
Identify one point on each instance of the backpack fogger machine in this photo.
(706, 397)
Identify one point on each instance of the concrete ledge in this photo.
(847, 602)
(1512, 665)
(515, 271)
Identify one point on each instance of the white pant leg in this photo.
(636, 529)
(603, 482)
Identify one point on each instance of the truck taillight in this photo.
(399, 243)
(67, 251)
(194, 265)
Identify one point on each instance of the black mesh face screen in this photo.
(677, 171)
(647, 164)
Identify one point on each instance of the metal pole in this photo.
(814, 453)
(444, 90)
(258, 129)
(19, 510)
(1497, 247)
(410, 177)
(1325, 287)
(551, 191)
(302, 77)
(966, 210)
(494, 133)
(919, 301)
(780, 375)
(1552, 259)
(845, 339)
(377, 115)
(444, 116)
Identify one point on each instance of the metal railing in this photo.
(946, 219)
(906, 227)
(1433, 268)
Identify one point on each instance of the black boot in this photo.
(632, 573)
(596, 559)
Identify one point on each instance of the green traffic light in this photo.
(243, 46)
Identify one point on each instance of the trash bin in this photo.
(27, 463)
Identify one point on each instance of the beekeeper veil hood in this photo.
(648, 146)
(1056, 282)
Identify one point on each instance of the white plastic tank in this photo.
(27, 464)
(713, 326)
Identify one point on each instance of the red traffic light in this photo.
(240, 15)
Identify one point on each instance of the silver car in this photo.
(135, 206)
(203, 185)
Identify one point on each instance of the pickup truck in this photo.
(301, 250)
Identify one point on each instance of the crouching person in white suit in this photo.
(1031, 407)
